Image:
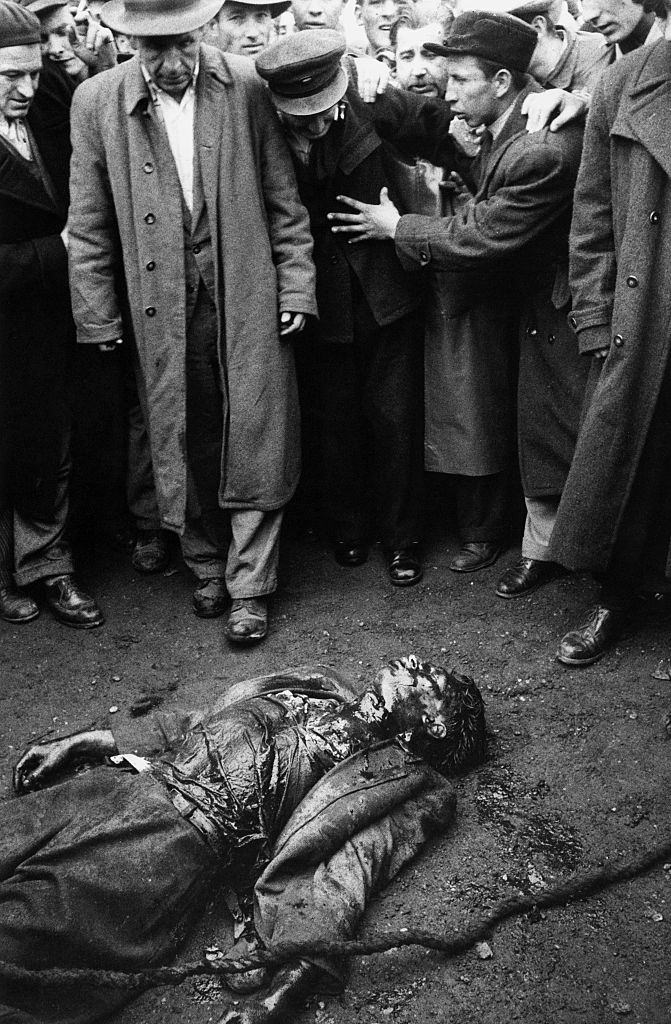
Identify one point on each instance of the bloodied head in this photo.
(440, 712)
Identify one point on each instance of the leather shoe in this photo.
(17, 607)
(588, 643)
(70, 604)
(210, 598)
(350, 554)
(248, 621)
(526, 576)
(474, 556)
(404, 566)
(150, 552)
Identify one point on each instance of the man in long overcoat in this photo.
(36, 341)
(181, 172)
(615, 514)
(513, 233)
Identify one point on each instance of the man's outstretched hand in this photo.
(370, 222)
(43, 761)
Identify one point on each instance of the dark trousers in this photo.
(362, 421)
(482, 507)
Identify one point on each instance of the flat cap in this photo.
(499, 38)
(39, 6)
(519, 8)
(18, 27)
(304, 71)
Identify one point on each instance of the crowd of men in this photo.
(240, 237)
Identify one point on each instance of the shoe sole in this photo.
(78, 625)
(22, 619)
(406, 583)
(522, 593)
(476, 568)
(580, 662)
(214, 614)
(245, 641)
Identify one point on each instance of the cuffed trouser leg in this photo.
(40, 549)
(254, 553)
(538, 527)
(204, 544)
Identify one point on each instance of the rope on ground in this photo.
(579, 887)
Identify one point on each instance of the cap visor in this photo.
(114, 15)
(306, 105)
(442, 51)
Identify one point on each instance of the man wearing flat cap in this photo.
(245, 28)
(513, 232)
(362, 360)
(181, 175)
(36, 339)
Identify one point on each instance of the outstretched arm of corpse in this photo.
(43, 762)
(322, 897)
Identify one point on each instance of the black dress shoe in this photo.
(526, 576)
(588, 643)
(350, 554)
(150, 552)
(16, 607)
(70, 604)
(210, 598)
(474, 556)
(404, 566)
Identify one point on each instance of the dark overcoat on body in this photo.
(509, 247)
(127, 208)
(36, 329)
(619, 273)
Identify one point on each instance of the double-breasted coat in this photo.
(507, 252)
(619, 274)
(127, 210)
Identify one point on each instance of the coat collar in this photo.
(213, 65)
(644, 114)
(17, 182)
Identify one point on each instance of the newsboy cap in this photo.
(18, 27)
(39, 6)
(499, 38)
(304, 71)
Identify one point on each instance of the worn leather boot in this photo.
(588, 643)
(474, 556)
(248, 621)
(526, 576)
(150, 552)
(70, 604)
(16, 607)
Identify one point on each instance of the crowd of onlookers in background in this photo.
(376, 240)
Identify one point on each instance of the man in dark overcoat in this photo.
(364, 356)
(514, 232)
(36, 335)
(615, 515)
(180, 173)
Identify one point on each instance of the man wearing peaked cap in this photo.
(359, 365)
(511, 241)
(178, 154)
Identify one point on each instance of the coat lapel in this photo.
(16, 182)
(645, 114)
(211, 115)
(514, 125)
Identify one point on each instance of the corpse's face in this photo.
(471, 95)
(416, 70)
(615, 19)
(19, 77)
(377, 17)
(170, 60)
(58, 35)
(311, 126)
(244, 29)
(317, 13)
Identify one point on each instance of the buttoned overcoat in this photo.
(127, 210)
(619, 273)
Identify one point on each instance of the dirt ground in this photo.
(577, 774)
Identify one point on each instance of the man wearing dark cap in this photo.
(35, 338)
(514, 232)
(181, 175)
(362, 360)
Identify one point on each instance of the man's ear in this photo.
(540, 24)
(436, 729)
(358, 13)
(503, 81)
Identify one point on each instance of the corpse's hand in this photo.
(553, 107)
(291, 984)
(291, 323)
(369, 222)
(41, 762)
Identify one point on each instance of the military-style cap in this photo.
(18, 27)
(304, 71)
(499, 38)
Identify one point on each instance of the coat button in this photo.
(423, 257)
(654, 217)
(195, 250)
(150, 311)
(151, 265)
(148, 167)
(618, 341)
(551, 339)
(149, 218)
(334, 260)
(632, 281)
(573, 322)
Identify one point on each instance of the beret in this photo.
(304, 71)
(18, 27)
(499, 38)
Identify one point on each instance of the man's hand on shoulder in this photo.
(291, 323)
(553, 108)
